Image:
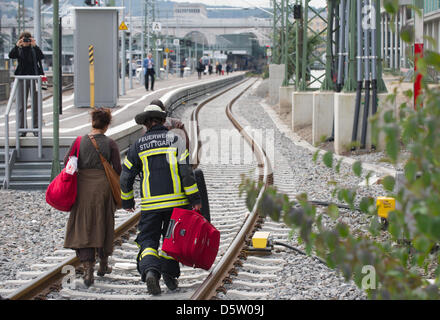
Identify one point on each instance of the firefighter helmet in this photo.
(150, 111)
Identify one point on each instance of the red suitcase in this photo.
(191, 239)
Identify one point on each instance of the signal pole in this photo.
(130, 50)
(56, 169)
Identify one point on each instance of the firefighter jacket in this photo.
(167, 177)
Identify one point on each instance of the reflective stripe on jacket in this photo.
(167, 177)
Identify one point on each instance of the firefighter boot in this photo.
(104, 267)
(89, 268)
(152, 280)
(170, 282)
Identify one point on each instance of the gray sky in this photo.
(246, 3)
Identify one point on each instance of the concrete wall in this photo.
(302, 109)
(344, 104)
(276, 77)
(323, 111)
(285, 105)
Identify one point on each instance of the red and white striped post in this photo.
(418, 51)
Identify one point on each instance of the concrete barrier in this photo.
(276, 77)
(285, 105)
(383, 106)
(285, 94)
(302, 109)
(323, 112)
(344, 104)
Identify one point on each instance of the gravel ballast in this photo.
(31, 229)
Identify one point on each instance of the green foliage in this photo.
(402, 258)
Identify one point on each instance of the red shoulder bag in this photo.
(61, 192)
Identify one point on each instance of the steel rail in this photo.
(195, 133)
(53, 276)
(43, 283)
(208, 288)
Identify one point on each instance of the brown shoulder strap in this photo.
(92, 138)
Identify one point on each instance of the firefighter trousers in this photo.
(151, 226)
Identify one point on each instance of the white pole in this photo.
(37, 22)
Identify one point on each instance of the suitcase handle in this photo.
(174, 228)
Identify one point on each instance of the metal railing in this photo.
(14, 94)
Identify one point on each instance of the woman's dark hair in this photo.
(25, 34)
(101, 118)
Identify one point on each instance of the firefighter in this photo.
(167, 182)
(177, 126)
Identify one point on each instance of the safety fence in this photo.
(19, 93)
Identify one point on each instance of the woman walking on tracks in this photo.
(90, 229)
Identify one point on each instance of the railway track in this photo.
(59, 277)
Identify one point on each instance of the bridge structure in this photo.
(191, 22)
(214, 36)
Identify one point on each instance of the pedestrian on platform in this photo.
(169, 183)
(149, 71)
(133, 68)
(228, 68)
(200, 68)
(220, 67)
(29, 57)
(182, 67)
(90, 228)
(210, 68)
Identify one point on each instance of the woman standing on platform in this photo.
(90, 229)
(29, 57)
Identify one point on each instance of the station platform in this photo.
(30, 167)
(75, 121)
